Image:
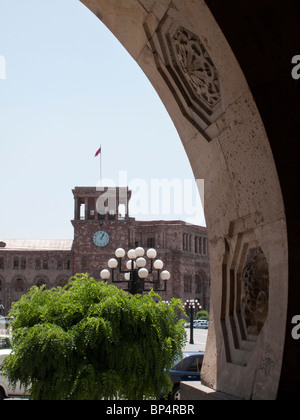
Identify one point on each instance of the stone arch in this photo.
(203, 84)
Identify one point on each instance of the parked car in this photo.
(201, 323)
(4, 342)
(198, 323)
(6, 391)
(187, 369)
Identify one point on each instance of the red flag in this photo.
(98, 152)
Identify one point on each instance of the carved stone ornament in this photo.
(255, 298)
(245, 291)
(197, 69)
(186, 66)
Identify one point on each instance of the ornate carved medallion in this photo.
(245, 292)
(197, 69)
(187, 68)
(255, 298)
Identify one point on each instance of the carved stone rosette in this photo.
(245, 293)
(186, 66)
(255, 298)
(198, 72)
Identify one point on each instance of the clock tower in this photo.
(101, 225)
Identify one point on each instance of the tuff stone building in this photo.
(99, 229)
(24, 263)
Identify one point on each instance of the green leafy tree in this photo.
(90, 340)
(202, 315)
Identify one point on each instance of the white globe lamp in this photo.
(105, 274)
(143, 273)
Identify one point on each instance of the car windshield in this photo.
(180, 361)
(4, 343)
(196, 365)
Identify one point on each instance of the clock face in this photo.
(101, 239)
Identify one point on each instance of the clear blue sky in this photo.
(70, 86)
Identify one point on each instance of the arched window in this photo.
(62, 282)
(19, 285)
(41, 283)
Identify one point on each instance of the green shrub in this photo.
(90, 340)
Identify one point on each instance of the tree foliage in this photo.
(90, 340)
(202, 315)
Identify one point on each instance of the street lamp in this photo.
(136, 272)
(191, 305)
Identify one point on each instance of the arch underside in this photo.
(184, 53)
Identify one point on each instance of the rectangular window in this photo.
(16, 264)
(82, 211)
(151, 243)
(85, 264)
(188, 284)
(196, 244)
(204, 246)
(38, 264)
